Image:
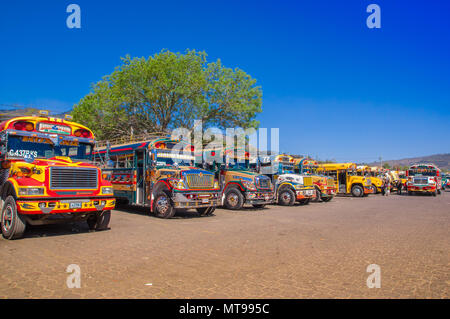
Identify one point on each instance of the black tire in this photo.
(357, 191)
(162, 205)
(13, 224)
(434, 194)
(259, 205)
(205, 211)
(103, 219)
(99, 221)
(234, 199)
(286, 197)
(327, 199)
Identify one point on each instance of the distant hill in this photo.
(440, 160)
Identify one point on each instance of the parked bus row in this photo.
(51, 171)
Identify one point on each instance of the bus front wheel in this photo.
(12, 223)
(99, 220)
(286, 197)
(234, 199)
(357, 191)
(163, 206)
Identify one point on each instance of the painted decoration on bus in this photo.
(35, 139)
(54, 128)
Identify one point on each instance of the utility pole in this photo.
(381, 161)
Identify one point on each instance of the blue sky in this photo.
(335, 88)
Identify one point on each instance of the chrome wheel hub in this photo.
(162, 204)
(233, 199)
(7, 218)
(286, 197)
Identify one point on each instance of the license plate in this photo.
(205, 201)
(75, 205)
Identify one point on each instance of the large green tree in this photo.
(166, 91)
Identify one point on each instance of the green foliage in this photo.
(166, 91)
(386, 165)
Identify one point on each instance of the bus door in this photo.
(342, 181)
(140, 160)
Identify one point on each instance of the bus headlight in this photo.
(177, 183)
(31, 191)
(107, 191)
(249, 185)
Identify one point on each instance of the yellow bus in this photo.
(347, 180)
(374, 174)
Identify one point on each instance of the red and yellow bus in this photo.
(424, 178)
(47, 175)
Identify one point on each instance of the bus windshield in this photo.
(29, 148)
(169, 159)
(310, 170)
(423, 172)
(287, 168)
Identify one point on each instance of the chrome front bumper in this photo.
(259, 197)
(195, 199)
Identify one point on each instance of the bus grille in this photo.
(307, 181)
(262, 182)
(197, 181)
(420, 180)
(73, 178)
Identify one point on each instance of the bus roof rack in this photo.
(133, 139)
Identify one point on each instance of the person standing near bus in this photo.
(387, 185)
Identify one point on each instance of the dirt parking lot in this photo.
(321, 250)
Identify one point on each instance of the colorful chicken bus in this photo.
(423, 178)
(374, 174)
(347, 180)
(159, 173)
(239, 181)
(47, 175)
(289, 187)
(445, 181)
(325, 188)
